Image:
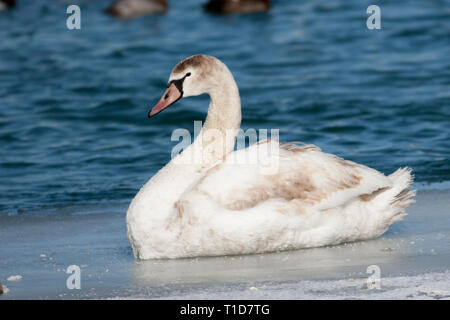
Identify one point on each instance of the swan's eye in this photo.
(188, 74)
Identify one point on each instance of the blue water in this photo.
(73, 104)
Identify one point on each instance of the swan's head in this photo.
(192, 76)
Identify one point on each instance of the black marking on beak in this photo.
(179, 84)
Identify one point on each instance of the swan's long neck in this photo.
(216, 139)
(218, 135)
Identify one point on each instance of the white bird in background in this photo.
(126, 9)
(220, 206)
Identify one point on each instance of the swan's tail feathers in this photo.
(399, 197)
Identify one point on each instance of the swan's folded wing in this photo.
(287, 172)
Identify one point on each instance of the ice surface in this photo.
(425, 286)
(413, 257)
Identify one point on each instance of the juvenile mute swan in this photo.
(204, 202)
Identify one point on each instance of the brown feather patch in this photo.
(193, 62)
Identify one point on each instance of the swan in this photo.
(237, 6)
(204, 202)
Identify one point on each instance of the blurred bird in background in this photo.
(126, 9)
(6, 4)
(238, 6)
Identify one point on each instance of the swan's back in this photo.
(313, 199)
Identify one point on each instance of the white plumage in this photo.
(293, 196)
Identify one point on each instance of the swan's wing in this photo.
(287, 172)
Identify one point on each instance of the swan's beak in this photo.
(170, 96)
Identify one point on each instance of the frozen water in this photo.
(413, 257)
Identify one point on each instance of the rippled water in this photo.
(73, 104)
